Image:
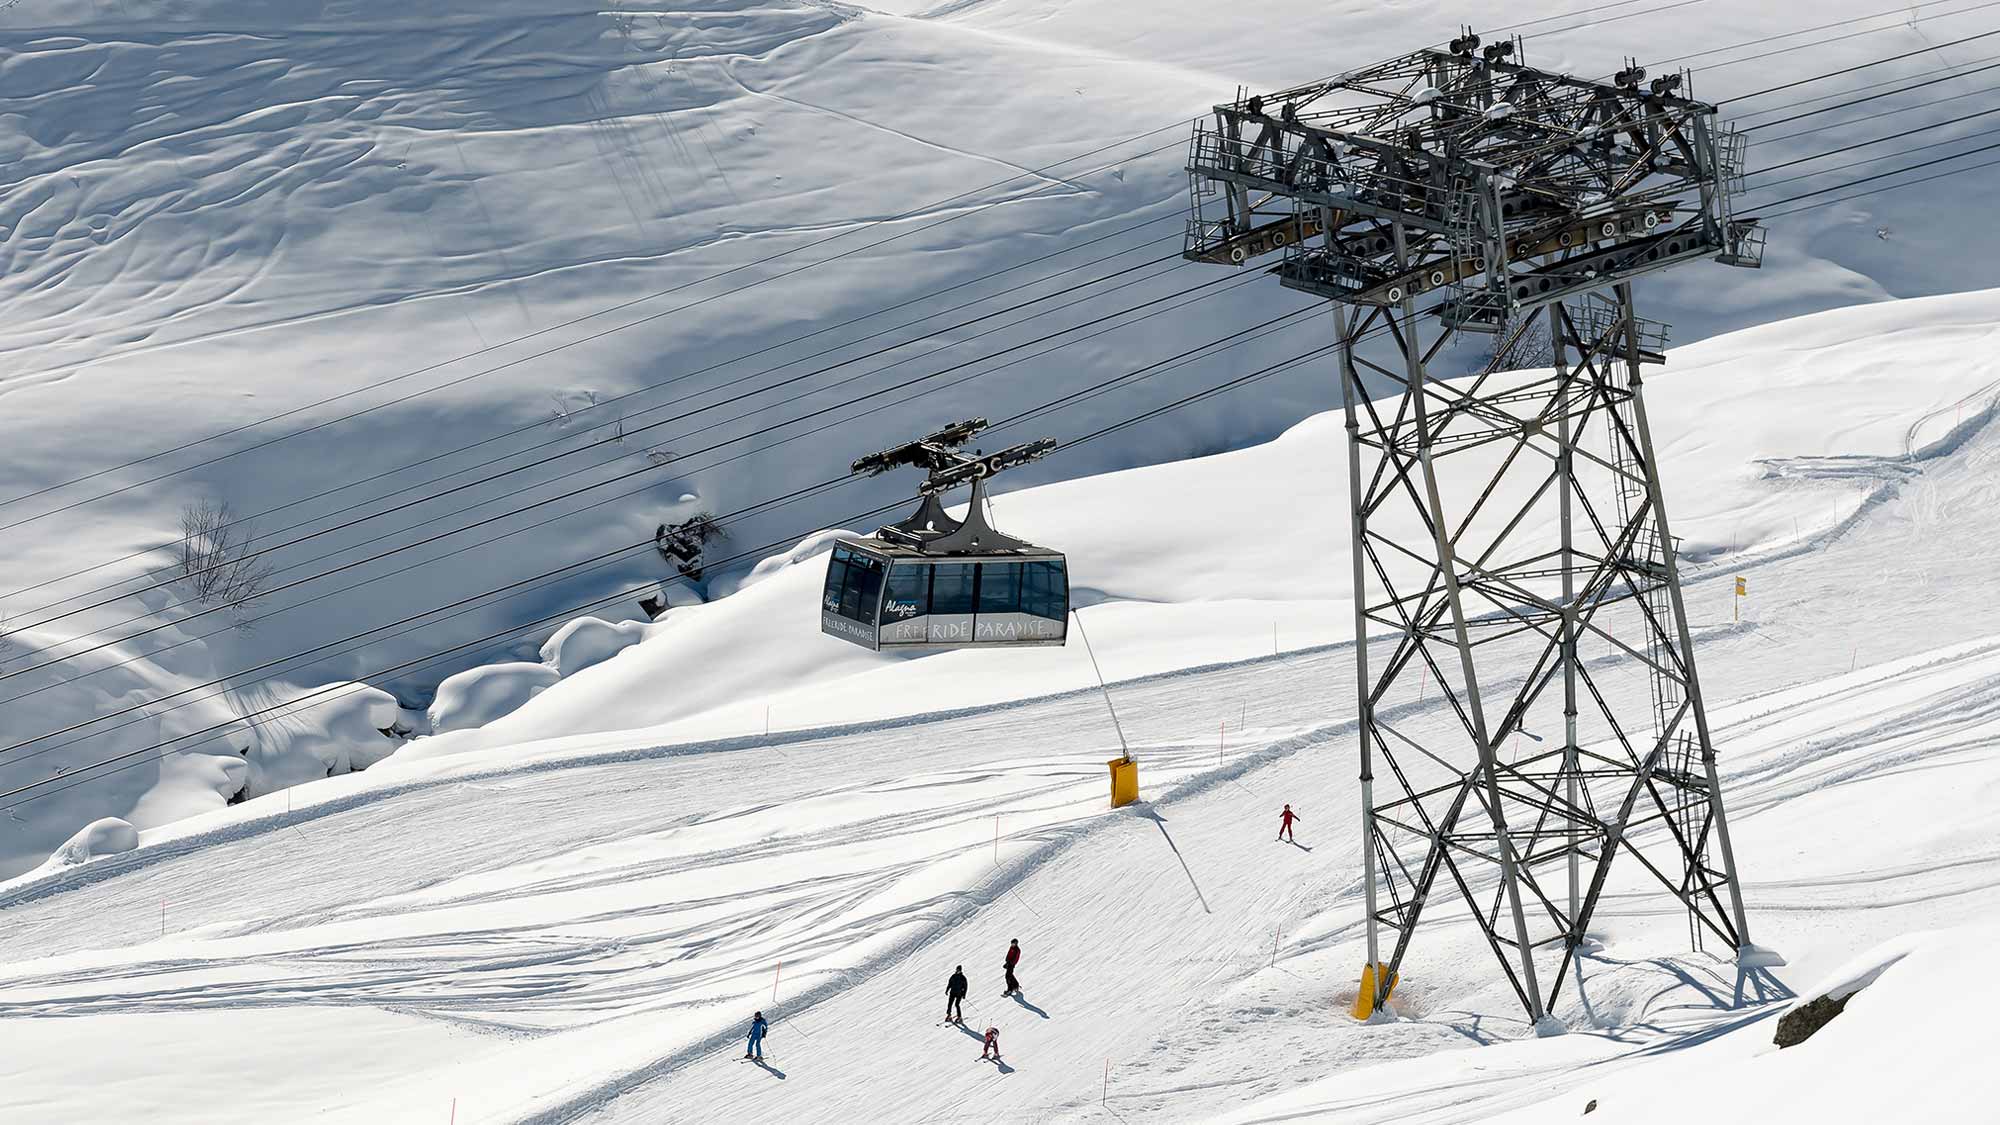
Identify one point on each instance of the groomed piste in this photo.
(530, 927)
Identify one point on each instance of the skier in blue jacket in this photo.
(757, 1028)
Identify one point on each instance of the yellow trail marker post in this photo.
(1742, 591)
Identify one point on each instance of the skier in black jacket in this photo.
(954, 996)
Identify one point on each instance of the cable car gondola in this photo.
(931, 582)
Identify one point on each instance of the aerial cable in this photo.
(621, 437)
(1948, 70)
(572, 322)
(408, 620)
(333, 421)
(585, 488)
(1869, 117)
(1906, 11)
(1769, 184)
(538, 423)
(1881, 176)
(571, 571)
(1871, 97)
(127, 759)
(598, 335)
(339, 527)
(1223, 343)
(1866, 65)
(1043, 171)
(1877, 141)
(1880, 190)
(1074, 396)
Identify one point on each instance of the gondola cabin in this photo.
(933, 582)
(883, 595)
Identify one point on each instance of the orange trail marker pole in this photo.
(774, 981)
(1105, 1098)
(454, 1111)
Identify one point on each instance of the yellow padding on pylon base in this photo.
(1124, 781)
(1364, 1001)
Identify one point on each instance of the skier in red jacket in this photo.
(991, 1048)
(1285, 820)
(1013, 959)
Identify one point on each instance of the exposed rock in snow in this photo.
(478, 696)
(1798, 1025)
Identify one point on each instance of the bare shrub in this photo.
(1532, 349)
(213, 557)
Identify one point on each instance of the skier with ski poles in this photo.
(1013, 959)
(992, 1044)
(755, 1049)
(954, 996)
(1285, 820)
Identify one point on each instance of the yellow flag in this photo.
(1742, 587)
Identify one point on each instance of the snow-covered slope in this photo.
(213, 213)
(576, 928)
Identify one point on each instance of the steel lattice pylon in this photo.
(1456, 192)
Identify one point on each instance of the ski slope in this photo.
(543, 226)
(505, 926)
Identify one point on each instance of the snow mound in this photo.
(1912, 1045)
(90, 691)
(589, 640)
(478, 696)
(345, 728)
(811, 547)
(108, 836)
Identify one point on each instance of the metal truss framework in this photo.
(1497, 196)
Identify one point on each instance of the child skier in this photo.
(1285, 820)
(1013, 959)
(992, 1044)
(954, 996)
(756, 1046)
